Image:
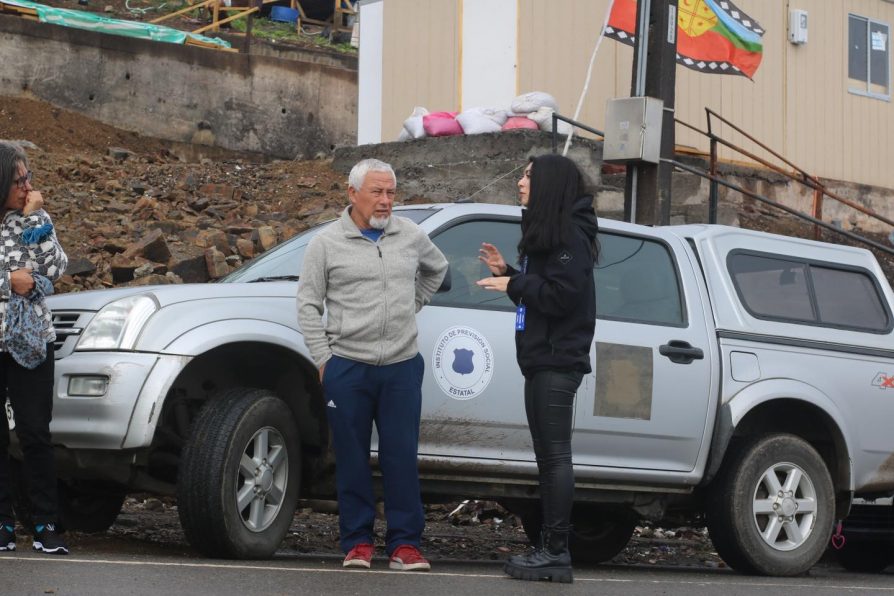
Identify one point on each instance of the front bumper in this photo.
(126, 415)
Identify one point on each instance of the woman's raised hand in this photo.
(33, 202)
(490, 256)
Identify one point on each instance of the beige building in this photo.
(825, 103)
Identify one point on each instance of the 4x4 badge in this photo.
(883, 381)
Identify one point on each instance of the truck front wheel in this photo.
(239, 474)
(770, 512)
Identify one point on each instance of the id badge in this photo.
(520, 318)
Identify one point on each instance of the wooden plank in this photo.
(19, 10)
(226, 20)
(207, 45)
(181, 11)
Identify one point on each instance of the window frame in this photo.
(866, 92)
(472, 218)
(811, 291)
(681, 290)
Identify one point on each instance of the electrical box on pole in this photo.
(633, 130)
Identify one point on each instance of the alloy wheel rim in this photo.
(784, 506)
(262, 479)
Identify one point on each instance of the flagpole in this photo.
(583, 93)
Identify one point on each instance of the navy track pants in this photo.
(357, 395)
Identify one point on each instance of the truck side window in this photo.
(460, 245)
(772, 287)
(636, 280)
(848, 298)
(777, 288)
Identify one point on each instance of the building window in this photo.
(868, 59)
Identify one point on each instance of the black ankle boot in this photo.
(551, 560)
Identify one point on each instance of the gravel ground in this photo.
(471, 530)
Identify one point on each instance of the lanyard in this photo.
(520, 309)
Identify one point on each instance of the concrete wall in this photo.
(282, 108)
(488, 166)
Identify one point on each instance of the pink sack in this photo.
(517, 122)
(441, 124)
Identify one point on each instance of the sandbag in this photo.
(481, 120)
(413, 125)
(441, 124)
(520, 123)
(544, 119)
(533, 101)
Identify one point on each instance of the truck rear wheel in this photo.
(771, 509)
(239, 476)
(597, 535)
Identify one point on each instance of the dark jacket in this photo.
(560, 300)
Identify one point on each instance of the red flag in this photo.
(712, 35)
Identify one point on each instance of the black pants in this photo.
(31, 394)
(549, 404)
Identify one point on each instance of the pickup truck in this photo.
(740, 377)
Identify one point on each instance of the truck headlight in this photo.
(117, 326)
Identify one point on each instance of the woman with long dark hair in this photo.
(554, 325)
(31, 259)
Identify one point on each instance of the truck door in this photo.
(647, 404)
(472, 395)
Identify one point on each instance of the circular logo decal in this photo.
(463, 362)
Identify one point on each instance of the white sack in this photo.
(413, 124)
(533, 101)
(481, 120)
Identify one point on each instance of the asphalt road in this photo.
(26, 573)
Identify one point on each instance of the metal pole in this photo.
(647, 196)
(817, 209)
(714, 189)
(555, 133)
(637, 89)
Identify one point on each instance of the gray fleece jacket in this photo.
(371, 291)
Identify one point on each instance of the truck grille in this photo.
(67, 331)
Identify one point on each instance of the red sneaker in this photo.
(360, 556)
(408, 558)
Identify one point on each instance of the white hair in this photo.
(362, 168)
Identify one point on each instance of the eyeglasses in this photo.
(21, 181)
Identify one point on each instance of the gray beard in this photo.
(379, 223)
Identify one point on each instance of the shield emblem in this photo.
(462, 361)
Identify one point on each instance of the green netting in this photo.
(93, 22)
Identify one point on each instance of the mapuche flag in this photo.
(712, 35)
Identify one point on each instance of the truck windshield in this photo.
(283, 262)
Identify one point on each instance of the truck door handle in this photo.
(680, 352)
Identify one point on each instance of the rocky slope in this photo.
(132, 210)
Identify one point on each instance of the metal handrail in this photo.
(712, 175)
(575, 123)
(716, 179)
(804, 178)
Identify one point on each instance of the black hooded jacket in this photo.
(560, 300)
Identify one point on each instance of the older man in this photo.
(372, 272)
